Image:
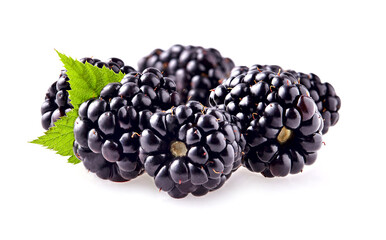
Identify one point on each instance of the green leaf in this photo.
(61, 137)
(74, 160)
(86, 82)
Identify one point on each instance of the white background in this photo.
(342, 196)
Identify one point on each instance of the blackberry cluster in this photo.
(194, 69)
(57, 103)
(266, 118)
(108, 128)
(191, 149)
(281, 123)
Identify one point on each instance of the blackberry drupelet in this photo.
(191, 149)
(108, 128)
(194, 69)
(281, 123)
(57, 103)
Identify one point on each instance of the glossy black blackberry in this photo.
(194, 69)
(108, 128)
(281, 123)
(285, 137)
(246, 92)
(56, 103)
(191, 149)
(324, 95)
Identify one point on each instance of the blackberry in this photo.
(324, 95)
(194, 69)
(108, 128)
(191, 149)
(281, 123)
(56, 103)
